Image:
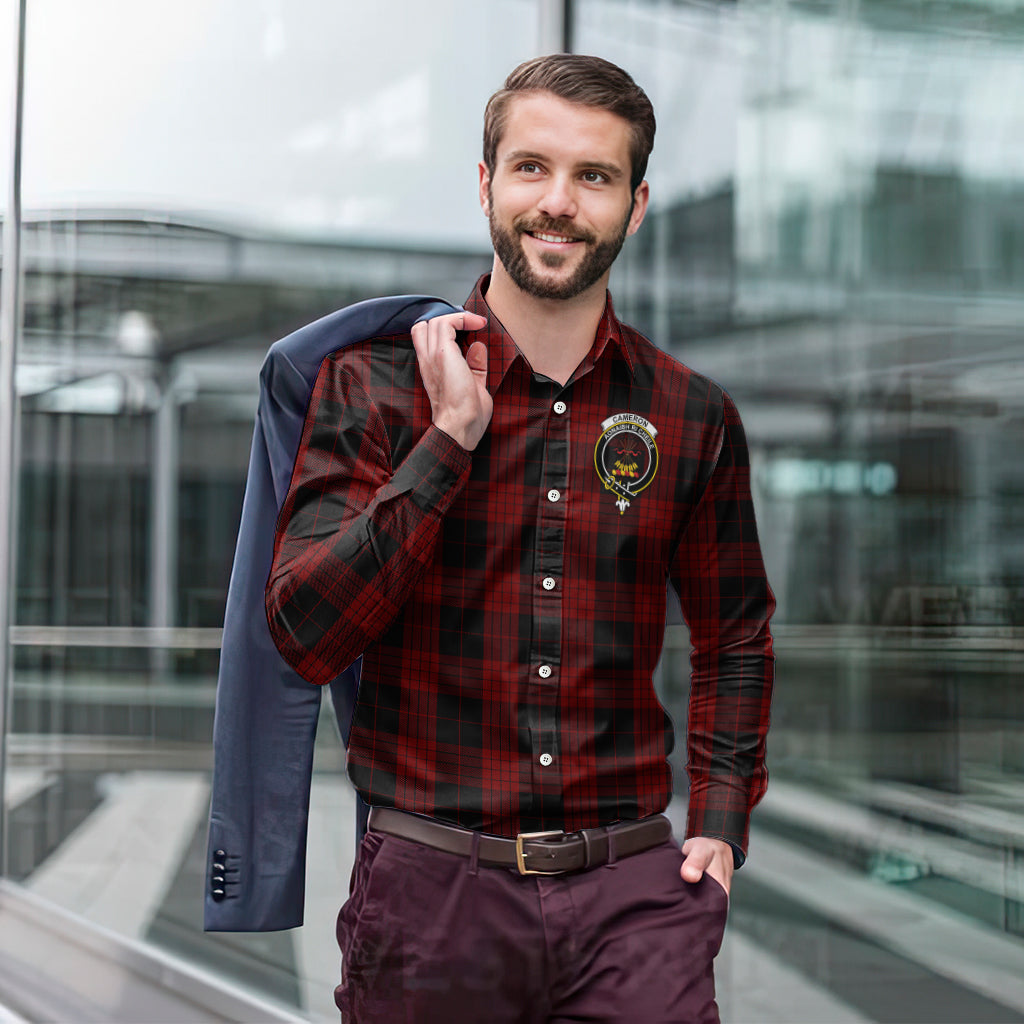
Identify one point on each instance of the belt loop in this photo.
(611, 846)
(585, 834)
(474, 853)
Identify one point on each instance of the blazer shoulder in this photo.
(359, 322)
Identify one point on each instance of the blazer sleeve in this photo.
(266, 715)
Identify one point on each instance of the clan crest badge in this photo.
(626, 457)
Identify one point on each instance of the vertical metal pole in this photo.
(10, 316)
(163, 549)
(553, 24)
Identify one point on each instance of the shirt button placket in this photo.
(549, 557)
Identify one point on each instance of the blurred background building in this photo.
(836, 235)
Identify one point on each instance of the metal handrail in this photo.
(167, 637)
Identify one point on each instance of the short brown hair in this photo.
(592, 81)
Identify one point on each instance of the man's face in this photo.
(559, 203)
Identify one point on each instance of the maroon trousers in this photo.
(429, 937)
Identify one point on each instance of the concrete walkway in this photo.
(115, 869)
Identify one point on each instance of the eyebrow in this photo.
(613, 171)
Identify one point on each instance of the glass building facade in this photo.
(836, 235)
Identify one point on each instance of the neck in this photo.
(553, 334)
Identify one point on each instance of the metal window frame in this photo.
(555, 19)
(10, 324)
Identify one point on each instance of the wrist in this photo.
(459, 433)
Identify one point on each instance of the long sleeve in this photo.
(355, 534)
(726, 601)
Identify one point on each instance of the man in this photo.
(489, 512)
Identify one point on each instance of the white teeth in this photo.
(551, 238)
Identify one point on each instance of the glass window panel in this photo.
(200, 179)
(8, 23)
(331, 119)
(8, 55)
(835, 236)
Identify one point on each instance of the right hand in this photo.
(460, 404)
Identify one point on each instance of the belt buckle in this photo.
(521, 856)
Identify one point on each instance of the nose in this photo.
(559, 199)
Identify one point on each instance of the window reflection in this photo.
(199, 180)
(836, 236)
(853, 279)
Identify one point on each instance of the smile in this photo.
(560, 239)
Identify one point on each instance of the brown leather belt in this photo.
(530, 853)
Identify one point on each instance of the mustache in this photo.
(553, 227)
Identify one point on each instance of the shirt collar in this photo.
(502, 350)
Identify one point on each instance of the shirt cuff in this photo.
(720, 811)
(433, 471)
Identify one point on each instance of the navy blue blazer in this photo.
(266, 714)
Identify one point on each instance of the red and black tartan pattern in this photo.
(509, 616)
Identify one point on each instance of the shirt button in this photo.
(544, 671)
(546, 759)
(553, 495)
(560, 407)
(548, 583)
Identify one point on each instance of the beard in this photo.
(598, 257)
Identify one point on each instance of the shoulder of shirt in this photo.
(357, 351)
(393, 339)
(668, 370)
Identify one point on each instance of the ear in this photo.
(640, 199)
(485, 181)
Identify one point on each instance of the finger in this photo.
(477, 357)
(419, 338)
(463, 320)
(441, 330)
(472, 321)
(426, 337)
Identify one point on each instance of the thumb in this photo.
(694, 864)
(477, 358)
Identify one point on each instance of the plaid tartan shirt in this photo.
(509, 603)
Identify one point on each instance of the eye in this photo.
(594, 177)
(528, 167)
